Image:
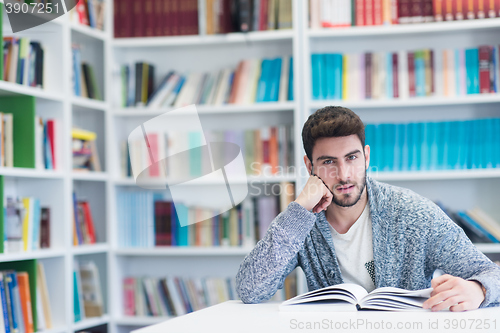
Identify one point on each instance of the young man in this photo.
(347, 227)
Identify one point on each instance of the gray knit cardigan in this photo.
(412, 237)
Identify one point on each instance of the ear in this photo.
(367, 157)
(308, 164)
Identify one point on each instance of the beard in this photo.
(350, 199)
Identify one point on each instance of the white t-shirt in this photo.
(354, 251)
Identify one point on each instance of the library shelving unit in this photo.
(54, 188)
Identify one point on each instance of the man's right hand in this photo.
(315, 195)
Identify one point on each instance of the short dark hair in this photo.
(331, 121)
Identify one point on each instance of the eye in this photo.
(327, 162)
(352, 157)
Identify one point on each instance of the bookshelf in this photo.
(203, 53)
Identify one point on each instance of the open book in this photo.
(352, 297)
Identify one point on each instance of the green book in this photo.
(22, 109)
(28, 266)
(1, 39)
(95, 88)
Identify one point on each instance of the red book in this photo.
(368, 75)
(149, 18)
(377, 12)
(167, 17)
(438, 7)
(117, 18)
(263, 15)
(428, 11)
(158, 17)
(174, 17)
(395, 71)
(51, 133)
(360, 13)
(163, 223)
(138, 19)
(484, 69)
(81, 9)
(129, 296)
(369, 12)
(274, 150)
(89, 222)
(448, 10)
(194, 30)
(404, 11)
(480, 8)
(227, 19)
(411, 73)
(417, 11)
(128, 17)
(236, 83)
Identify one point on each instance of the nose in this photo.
(343, 172)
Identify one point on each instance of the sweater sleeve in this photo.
(265, 268)
(454, 253)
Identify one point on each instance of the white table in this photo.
(236, 317)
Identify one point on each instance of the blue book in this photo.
(369, 135)
(16, 302)
(389, 79)
(13, 313)
(37, 211)
(387, 151)
(215, 229)
(275, 80)
(472, 70)
(329, 87)
(76, 78)
(433, 132)
(405, 150)
(261, 85)
(398, 147)
(4, 303)
(182, 212)
(443, 144)
(487, 146)
(317, 69)
(290, 81)
(424, 147)
(496, 143)
(478, 227)
(494, 69)
(181, 287)
(174, 226)
(338, 71)
(419, 73)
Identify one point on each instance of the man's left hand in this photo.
(454, 292)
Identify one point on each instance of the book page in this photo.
(395, 299)
(347, 292)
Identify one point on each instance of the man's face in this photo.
(341, 164)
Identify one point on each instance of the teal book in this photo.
(338, 72)
(182, 216)
(77, 311)
(390, 146)
(496, 143)
(433, 129)
(329, 80)
(274, 81)
(317, 69)
(487, 146)
(405, 149)
(398, 146)
(442, 141)
(261, 85)
(424, 147)
(369, 134)
(195, 154)
(290, 81)
(472, 70)
(325, 79)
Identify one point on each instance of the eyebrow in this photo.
(326, 157)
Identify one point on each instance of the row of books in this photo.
(26, 226)
(85, 155)
(6, 139)
(479, 226)
(404, 74)
(255, 80)
(266, 151)
(23, 61)
(17, 310)
(89, 12)
(468, 144)
(345, 13)
(225, 16)
(148, 220)
(175, 296)
(87, 292)
(84, 229)
(84, 79)
(45, 143)
(150, 18)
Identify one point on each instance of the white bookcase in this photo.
(456, 189)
